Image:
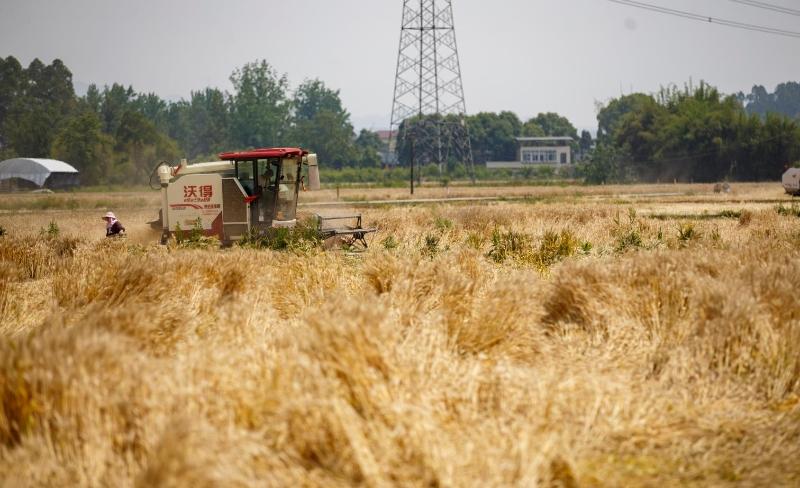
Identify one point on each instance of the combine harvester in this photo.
(791, 181)
(247, 193)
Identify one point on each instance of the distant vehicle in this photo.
(724, 187)
(791, 181)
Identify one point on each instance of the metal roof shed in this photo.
(43, 173)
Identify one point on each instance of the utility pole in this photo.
(428, 85)
(413, 140)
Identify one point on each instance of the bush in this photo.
(301, 238)
(476, 240)
(431, 246)
(792, 211)
(443, 224)
(389, 242)
(507, 245)
(196, 238)
(630, 239)
(519, 247)
(555, 247)
(687, 232)
(627, 234)
(51, 232)
(732, 214)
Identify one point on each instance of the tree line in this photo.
(784, 100)
(117, 135)
(492, 135)
(696, 134)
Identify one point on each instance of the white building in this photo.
(538, 151)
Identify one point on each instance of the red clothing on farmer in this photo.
(113, 226)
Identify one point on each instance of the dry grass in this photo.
(653, 356)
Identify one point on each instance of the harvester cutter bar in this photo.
(351, 234)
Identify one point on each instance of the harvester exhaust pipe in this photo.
(313, 172)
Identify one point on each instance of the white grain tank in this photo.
(791, 181)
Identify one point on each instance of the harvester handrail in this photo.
(339, 217)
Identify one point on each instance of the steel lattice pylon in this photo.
(428, 82)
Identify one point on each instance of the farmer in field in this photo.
(114, 227)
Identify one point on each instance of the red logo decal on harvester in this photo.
(190, 193)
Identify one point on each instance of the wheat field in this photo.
(583, 336)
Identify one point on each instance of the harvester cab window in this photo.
(287, 190)
(268, 175)
(244, 173)
(265, 174)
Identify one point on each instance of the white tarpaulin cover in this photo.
(33, 169)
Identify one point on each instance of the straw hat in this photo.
(109, 215)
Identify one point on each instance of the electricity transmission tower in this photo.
(428, 86)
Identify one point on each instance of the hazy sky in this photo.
(526, 56)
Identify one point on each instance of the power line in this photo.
(768, 6)
(707, 19)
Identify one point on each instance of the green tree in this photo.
(202, 125)
(531, 128)
(784, 100)
(12, 83)
(607, 164)
(433, 139)
(695, 134)
(695, 138)
(610, 115)
(259, 106)
(39, 109)
(321, 124)
(550, 124)
(779, 147)
(92, 100)
(116, 102)
(368, 146)
(154, 108)
(313, 97)
(139, 145)
(329, 136)
(787, 99)
(416, 140)
(83, 144)
(585, 143)
(637, 133)
(493, 136)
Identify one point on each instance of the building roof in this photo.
(544, 139)
(385, 135)
(35, 170)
